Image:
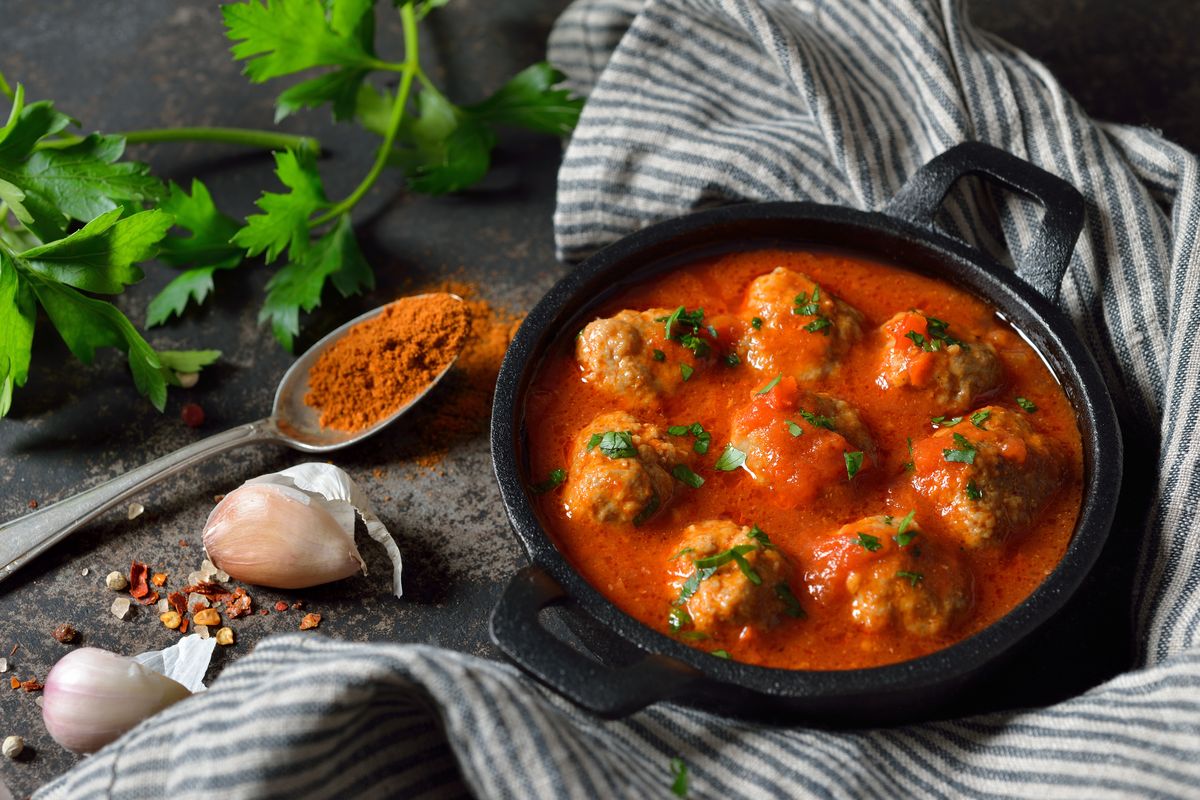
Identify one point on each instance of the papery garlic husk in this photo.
(92, 696)
(294, 529)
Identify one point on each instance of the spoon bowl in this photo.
(292, 422)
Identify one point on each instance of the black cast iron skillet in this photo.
(638, 665)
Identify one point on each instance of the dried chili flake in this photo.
(183, 543)
(33, 503)
(138, 587)
(183, 625)
(149, 599)
(206, 588)
(310, 621)
(159, 578)
(31, 685)
(299, 604)
(14, 682)
(239, 605)
(262, 612)
(13, 652)
(281, 606)
(178, 602)
(65, 633)
(198, 606)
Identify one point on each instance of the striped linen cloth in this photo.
(699, 102)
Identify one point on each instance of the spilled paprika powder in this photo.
(382, 363)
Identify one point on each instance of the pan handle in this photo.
(609, 692)
(1045, 262)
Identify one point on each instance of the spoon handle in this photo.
(24, 538)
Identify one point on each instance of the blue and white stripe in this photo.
(700, 102)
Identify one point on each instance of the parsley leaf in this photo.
(912, 577)
(684, 474)
(817, 421)
(771, 384)
(868, 542)
(903, 533)
(732, 360)
(553, 481)
(945, 422)
(793, 428)
(678, 618)
(679, 786)
(1027, 405)
(980, 417)
(614, 444)
(102, 256)
(854, 462)
(973, 492)
(791, 606)
(285, 223)
(965, 453)
(731, 458)
(282, 37)
(648, 511)
(686, 370)
(659, 355)
(17, 316)
(821, 324)
(529, 100)
(720, 654)
(909, 465)
(756, 323)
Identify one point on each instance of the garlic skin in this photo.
(276, 535)
(92, 696)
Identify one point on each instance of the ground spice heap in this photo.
(381, 364)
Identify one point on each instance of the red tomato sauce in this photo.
(631, 565)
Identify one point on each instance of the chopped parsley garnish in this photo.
(614, 444)
(937, 337)
(682, 551)
(744, 566)
(793, 428)
(684, 326)
(818, 421)
(903, 534)
(973, 492)
(686, 370)
(980, 417)
(821, 324)
(868, 542)
(647, 512)
(722, 558)
(759, 535)
(912, 577)
(810, 306)
(909, 465)
(693, 583)
(696, 635)
(731, 458)
(887, 519)
(721, 654)
(756, 323)
(557, 476)
(683, 474)
(732, 360)
(854, 462)
(659, 355)
(1026, 404)
(771, 385)
(679, 771)
(677, 618)
(703, 437)
(964, 453)
(791, 606)
(917, 338)
(945, 422)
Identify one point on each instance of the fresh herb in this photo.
(679, 430)
(555, 479)
(682, 552)
(731, 458)
(903, 534)
(791, 606)
(747, 570)
(76, 219)
(648, 510)
(912, 577)
(684, 474)
(721, 654)
(854, 462)
(868, 542)
(909, 465)
(980, 417)
(973, 492)
(703, 437)
(722, 558)
(659, 355)
(614, 444)
(732, 360)
(771, 384)
(759, 535)
(887, 519)
(678, 618)
(693, 582)
(945, 422)
(686, 370)
(756, 323)
(793, 428)
(917, 338)
(595, 439)
(680, 773)
(693, 635)
(807, 306)
(818, 421)
(819, 324)
(684, 326)
(712, 331)
(965, 453)
(1027, 405)
(937, 338)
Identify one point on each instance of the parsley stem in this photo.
(269, 140)
(5, 88)
(409, 71)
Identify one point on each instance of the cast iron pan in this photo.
(639, 665)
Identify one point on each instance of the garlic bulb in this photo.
(294, 529)
(93, 696)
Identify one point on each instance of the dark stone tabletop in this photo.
(128, 64)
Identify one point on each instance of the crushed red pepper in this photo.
(178, 602)
(310, 621)
(281, 606)
(31, 685)
(183, 624)
(138, 586)
(14, 682)
(149, 599)
(159, 578)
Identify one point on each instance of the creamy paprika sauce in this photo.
(804, 460)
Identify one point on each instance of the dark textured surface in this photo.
(125, 64)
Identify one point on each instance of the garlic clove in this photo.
(92, 696)
(276, 535)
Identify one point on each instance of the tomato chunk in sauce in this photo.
(805, 460)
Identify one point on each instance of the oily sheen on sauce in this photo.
(632, 564)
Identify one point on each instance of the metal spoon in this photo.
(291, 422)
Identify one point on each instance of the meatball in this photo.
(797, 327)
(801, 443)
(620, 471)
(919, 353)
(709, 596)
(618, 355)
(987, 476)
(887, 575)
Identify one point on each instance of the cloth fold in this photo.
(694, 103)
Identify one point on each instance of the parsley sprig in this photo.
(807, 305)
(686, 327)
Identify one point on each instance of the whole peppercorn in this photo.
(192, 415)
(65, 633)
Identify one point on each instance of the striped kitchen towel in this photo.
(693, 103)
